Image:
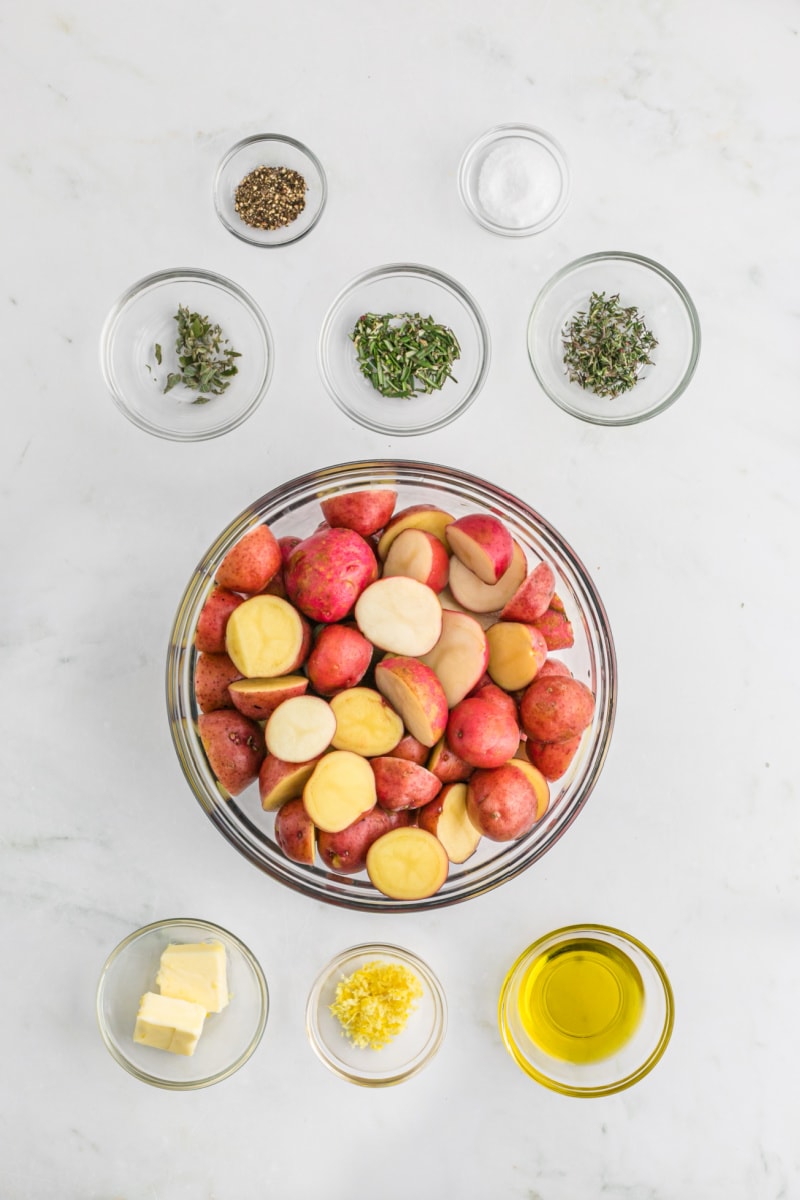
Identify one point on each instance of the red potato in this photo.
(553, 666)
(300, 729)
(400, 615)
(266, 637)
(287, 545)
(401, 784)
(490, 691)
(365, 723)
(341, 789)
(417, 516)
(460, 656)
(482, 733)
(502, 803)
(478, 597)
(296, 833)
(516, 652)
(327, 573)
(415, 693)
(234, 747)
(258, 698)
(407, 864)
(209, 636)
(555, 628)
(483, 544)
(364, 512)
(280, 781)
(555, 709)
(340, 659)
(447, 819)
(446, 765)
(212, 675)
(251, 563)
(419, 555)
(409, 748)
(346, 850)
(552, 758)
(532, 598)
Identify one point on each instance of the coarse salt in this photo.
(519, 184)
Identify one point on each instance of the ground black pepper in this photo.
(271, 197)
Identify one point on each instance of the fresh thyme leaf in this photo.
(158, 354)
(606, 346)
(404, 354)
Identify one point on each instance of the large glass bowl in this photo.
(294, 508)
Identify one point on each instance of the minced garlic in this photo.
(373, 1004)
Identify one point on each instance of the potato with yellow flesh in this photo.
(407, 864)
(446, 817)
(340, 790)
(280, 781)
(417, 516)
(365, 723)
(266, 637)
(516, 652)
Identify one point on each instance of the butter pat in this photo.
(195, 971)
(168, 1023)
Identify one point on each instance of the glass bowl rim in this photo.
(602, 932)
(650, 264)
(195, 275)
(423, 272)
(250, 238)
(531, 133)
(439, 1023)
(209, 928)
(218, 811)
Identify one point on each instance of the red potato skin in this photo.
(364, 512)
(287, 545)
(532, 599)
(501, 803)
(491, 535)
(346, 851)
(296, 833)
(327, 572)
(401, 784)
(482, 733)
(340, 659)
(251, 563)
(209, 637)
(556, 630)
(261, 706)
(212, 674)
(553, 666)
(234, 747)
(495, 695)
(274, 770)
(556, 708)
(552, 758)
(410, 749)
(447, 766)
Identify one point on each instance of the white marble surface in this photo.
(681, 123)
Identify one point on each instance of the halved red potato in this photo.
(419, 555)
(400, 615)
(266, 636)
(365, 512)
(460, 656)
(478, 597)
(483, 544)
(407, 864)
(251, 563)
(416, 516)
(414, 691)
(258, 698)
(446, 817)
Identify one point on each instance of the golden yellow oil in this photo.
(581, 1000)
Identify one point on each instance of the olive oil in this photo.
(581, 1000)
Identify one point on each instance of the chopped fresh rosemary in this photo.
(404, 354)
(205, 356)
(606, 347)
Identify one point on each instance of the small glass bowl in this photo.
(403, 288)
(145, 317)
(269, 150)
(228, 1038)
(407, 1053)
(666, 309)
(546, 156)
(638, 1054)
